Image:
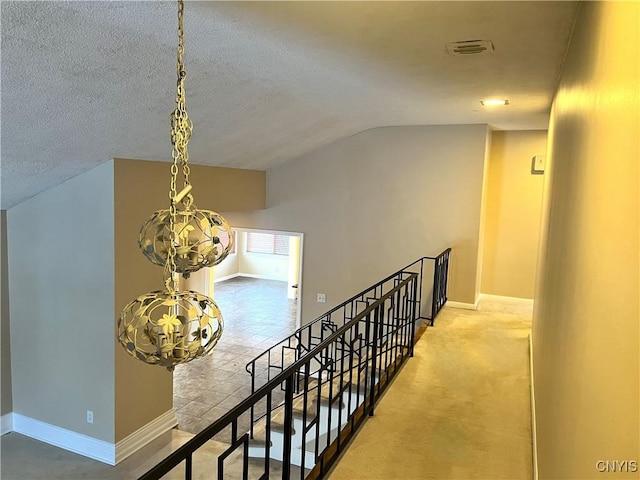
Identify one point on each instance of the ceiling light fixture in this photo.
(493, 103)
(170, 326)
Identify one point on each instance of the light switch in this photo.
(537, 164)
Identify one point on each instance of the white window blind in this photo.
(267, 243)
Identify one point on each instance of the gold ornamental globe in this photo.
(163, 328)
(204, 239)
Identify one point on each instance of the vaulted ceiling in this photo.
(83, 82)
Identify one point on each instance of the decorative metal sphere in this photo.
(204, 239)
(163, 328)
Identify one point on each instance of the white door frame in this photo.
(289, 234)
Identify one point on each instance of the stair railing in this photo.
(303, 439)
(275, 359)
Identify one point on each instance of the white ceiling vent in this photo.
(470, 47)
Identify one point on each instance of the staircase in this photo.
(331, 373)
(318, 418)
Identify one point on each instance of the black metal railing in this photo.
(327, 394)
(440, 282)
(275, 359)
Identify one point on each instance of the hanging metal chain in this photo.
(181, 128)
(180, 123)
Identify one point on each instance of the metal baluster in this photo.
(253, 389)
(374, 354)
(305, 399)
(267, 434)
(188, 468)
(288, 427)
(413, 321)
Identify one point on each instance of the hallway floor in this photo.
(460, 409)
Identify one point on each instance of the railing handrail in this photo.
(341, 305)
(182, 452)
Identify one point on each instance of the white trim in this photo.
(226, 277)
(6, 423)
(534, 435)
(486, 296)
(63, 438)
(100, 450)
(262, 277)
(466, 306)
(141, 437)
(248, 275)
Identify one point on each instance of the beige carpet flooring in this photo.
(460, 409)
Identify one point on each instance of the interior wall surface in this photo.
(229, 266)
(372, 203)
(513, 212)
(586, 316)
(6, 400)
(271, 267)
(483, 217)
(144, 392)
(60, 249)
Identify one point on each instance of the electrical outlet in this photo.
(89, 416)
(322, 298)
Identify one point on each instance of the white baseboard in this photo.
(503, 298)
(248, 275)
(6, 423)
(141, 437)
(61, 437)
(466, 306)
(100, 450)
(226, 277)
(534, 436)
(262, 277)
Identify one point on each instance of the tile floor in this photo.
(257, 314)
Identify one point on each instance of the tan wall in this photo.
(143, 392)
(62, 286)
(585, 332)
(374, 202)
(229, 265)
(513, 209)
(6, 401)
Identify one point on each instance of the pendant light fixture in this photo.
(169, 327)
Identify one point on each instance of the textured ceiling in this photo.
(83, 82)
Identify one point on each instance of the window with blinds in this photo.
(267, 243)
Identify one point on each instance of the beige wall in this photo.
(76, 261)
(374, 202)
(585, 333)
(62, 286)
(6, 402)
(513, 209)
(229, 265)
(143, 392)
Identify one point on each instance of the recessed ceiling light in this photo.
(491, 103)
